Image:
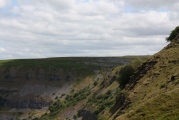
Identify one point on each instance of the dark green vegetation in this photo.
(63, 62)
(77, 64)
(70, 100)
(125, 74)
(173, 34)
(127, 71)
(101, 102)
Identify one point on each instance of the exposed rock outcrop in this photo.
(7, 117)
(20, 104)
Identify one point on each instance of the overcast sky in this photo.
(55, 28)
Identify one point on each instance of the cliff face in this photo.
(152, 88)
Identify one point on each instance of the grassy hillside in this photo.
(162, 107)
(154, 94)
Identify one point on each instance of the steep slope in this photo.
(94, 102)
(152, 92)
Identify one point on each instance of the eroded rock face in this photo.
(20, 104)
(7, 117)
(11, 98)
(31, 96)
(43, 90)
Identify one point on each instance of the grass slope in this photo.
(155, 96)
(162, 107)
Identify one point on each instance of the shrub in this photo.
(162, 86)
(173, 34)
(70, 100)
(109, 92)
(75, 117)
(20, 113)
(72, 91)
(62, 95)
(55, 106)
(125, 74)
(101, 102)
(95, 83)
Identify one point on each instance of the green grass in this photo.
(163, 107)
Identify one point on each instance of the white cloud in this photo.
(2, 49)
(59, 4)
(4, 3)
(95, 8)
(41, 28)
(143, 4)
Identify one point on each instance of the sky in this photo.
(64, 28)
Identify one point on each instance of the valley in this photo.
(32, 88)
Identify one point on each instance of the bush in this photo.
(20, 113)
(162, 86)
(109, 92)
(125, 74)
(72, 91)
(75, 117)
(62, 95)
(101, 102)
(95, 83)
(173, 34)
(70, 100)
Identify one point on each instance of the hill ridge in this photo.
(154, 78)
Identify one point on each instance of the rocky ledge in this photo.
(20, 104)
